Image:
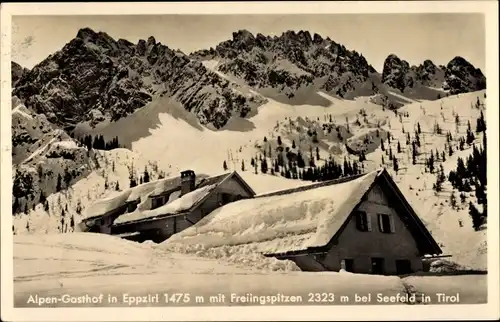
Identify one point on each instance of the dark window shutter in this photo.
(361, 221)
(358, 220)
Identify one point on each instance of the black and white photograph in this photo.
(242, 158)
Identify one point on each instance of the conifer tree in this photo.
(263, 166)
(300, 160)
(470, 134)
(224, 165)
(242, 165)
(440, 178)
(475, 215)
(461, 144)
(430, 162)
(15, 206)
(59, 183)
(145, 176)
(132, 179)
(481, 124)
(42, 197)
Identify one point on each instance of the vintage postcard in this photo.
(249, 161)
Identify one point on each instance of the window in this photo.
(320, 257)
(385, 224)
(157, 202)
(362, 221)
(403, 266)
(378, 265)
(225, 198)
(347, 264)
(132, 206)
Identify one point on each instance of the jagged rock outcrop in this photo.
(291, 61)
(17, 71)
(95, 77)
(397, 73)
(462, 77)
(458, 76)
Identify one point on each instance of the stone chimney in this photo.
(188, 179)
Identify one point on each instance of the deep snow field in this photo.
(93, 264)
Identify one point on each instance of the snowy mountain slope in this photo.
(452, 228)
(108, 173)
(188, 145)
(43, 157)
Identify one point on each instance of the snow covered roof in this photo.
(284, 223)
(179, 205)
(183, 204)
(117, 200)
(141, 193)
(281, 223)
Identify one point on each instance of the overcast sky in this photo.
(413, 37)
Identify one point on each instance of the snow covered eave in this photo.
(428, 256)
(148, 219)
(300, 252)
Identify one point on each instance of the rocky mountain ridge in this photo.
(293, 61)
(458, 76)
(94, 77)
(290, 62)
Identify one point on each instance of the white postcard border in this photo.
(317, 313)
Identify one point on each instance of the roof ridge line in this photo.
(313, 186)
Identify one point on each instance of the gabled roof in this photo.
(193, 200)
(299, 221)
(155, 188)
